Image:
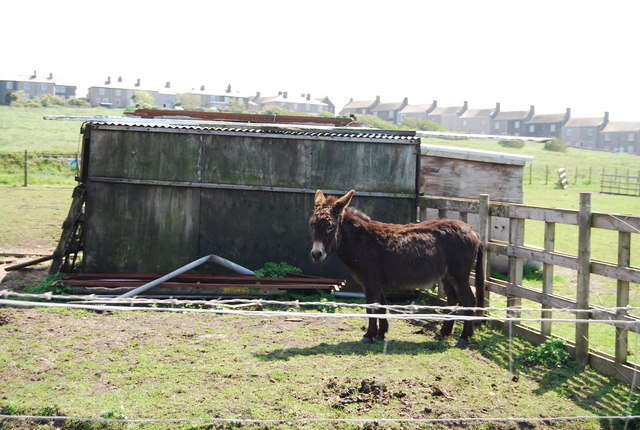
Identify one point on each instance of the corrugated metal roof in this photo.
(474, 154)
(211, 126)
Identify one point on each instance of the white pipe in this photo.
(216, 259)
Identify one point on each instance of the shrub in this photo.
(555, 145)
(375, 122)
(421, 124)
(78, 102)
(512, 143)
(142, 99)
(551, 353)
(51, 100)
(276, 270)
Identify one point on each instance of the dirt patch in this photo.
(19, 279)
(4, 319)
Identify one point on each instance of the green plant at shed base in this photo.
(52, 283)
(276, 270)
(511, 143)
(552, 353)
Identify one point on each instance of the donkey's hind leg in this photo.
(452, 300)
(383, 324)
(372, 295)
(467, 299)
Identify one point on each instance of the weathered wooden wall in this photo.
(158, 199)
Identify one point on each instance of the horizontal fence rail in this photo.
(517, 252)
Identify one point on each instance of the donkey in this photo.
(399, 256)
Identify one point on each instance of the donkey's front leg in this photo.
(372, 331)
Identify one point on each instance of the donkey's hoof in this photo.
(379, 338)
(462, 343)
(366, 339)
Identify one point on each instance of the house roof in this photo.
(387, 106)
(584, 122)
(446, 110)
(624, 126)
(477, 113)
(416, 108)
(547, 118)
(512, 115)
(358, 104)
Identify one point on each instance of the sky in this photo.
(551, 54)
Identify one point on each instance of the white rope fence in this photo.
(212, 420)
(244, 303)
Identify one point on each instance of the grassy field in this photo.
(161, 365)
(24, 129)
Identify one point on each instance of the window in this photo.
(43, 87)
(631, 137)
(118, 92)
(552, 128)
(568, 132)
(496, 125)
(27, 86)
(101, 91)
(516, 125)
(9, 85)
(532, 128)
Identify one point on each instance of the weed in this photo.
(52, 283)
(276, 270)
(551, 353)
(511, 143)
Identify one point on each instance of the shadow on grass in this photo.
(394, 347)
(587, 388)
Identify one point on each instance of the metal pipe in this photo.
(348, 294)
(216, 259)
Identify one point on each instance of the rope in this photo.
(240, 303)
(263, 314)
(319, 420)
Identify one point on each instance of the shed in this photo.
(160, 193)
(466, 173)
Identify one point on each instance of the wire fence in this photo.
(38, 168)
(590, 177)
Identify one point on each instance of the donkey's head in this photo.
(325, 224)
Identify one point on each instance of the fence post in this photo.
(530, 173)
(546, 174)
(484, 223)
(547, 275)
(584, 275)
(589, 180)
(622, 296)
(516, 238)
(25, 168)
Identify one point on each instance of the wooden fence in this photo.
(628, 185)
(616, 366)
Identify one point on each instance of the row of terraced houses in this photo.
(595, 133)
(598, 133)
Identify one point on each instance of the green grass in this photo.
(24, 129)
(160, 365)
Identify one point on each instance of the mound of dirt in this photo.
(366, 393)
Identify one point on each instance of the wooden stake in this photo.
(547, 274)
(622, 296)
(584, 273)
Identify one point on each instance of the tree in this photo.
(189, 101)
(142, 99)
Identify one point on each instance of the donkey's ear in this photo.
(344, 201)
(319, 199)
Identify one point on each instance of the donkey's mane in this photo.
(358, 213)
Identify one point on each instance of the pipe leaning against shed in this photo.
(214, 258)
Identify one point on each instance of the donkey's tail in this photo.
(480, 280)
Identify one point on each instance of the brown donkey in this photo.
(399, 256)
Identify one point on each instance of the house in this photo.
(511, 123)
(116, 94)
(32, 86)
(417, 111)
(621, 137)
(360, 106)
(220, 100)
(547, 125)
(584, 132)
(478, 121)
(65, 90)
(303, 103)
(448, 117)
(389, 111)
(330, 106)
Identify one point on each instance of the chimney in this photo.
(108, 81)
(605, 120)
(532, 112)
(50, 77)
(201, 87)
(309, 96)
(434, 105)
(228, 90)
(567, 115)
(285, 94)
(120, 79)
(496, 111)
(279, 93)
(167, 84)
(465, 106)
(376, 102)
(257, 94)
(405, 101)
(35, 75)
(138, 82)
